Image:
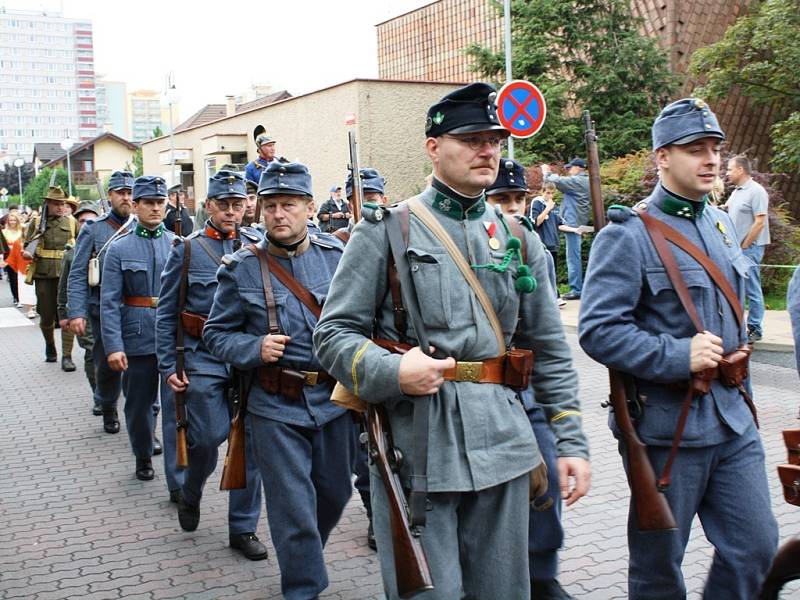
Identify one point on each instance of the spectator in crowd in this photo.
(26, 291)
(575, 212)
(717, 192)
(334, 212)
(793, 306)
(11, 233)
(748, 207)
(176, 193)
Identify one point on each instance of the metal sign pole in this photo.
(507, 27)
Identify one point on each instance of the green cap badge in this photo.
(438, 118)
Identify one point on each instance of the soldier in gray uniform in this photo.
(632, 320)
(85, 212)
(480, 446)
(128, 301)
(303, 443)
(205, 379)
(83, 299)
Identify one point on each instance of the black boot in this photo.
(110, 420)
(144, 469)
(188, 515)
(248, 544)
(548, 589)
(67, 364)
(50, 353)
(157, 447)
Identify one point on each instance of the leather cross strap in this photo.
(657, 228)
(209, 251)
(298, 289)
(659, 233)
(269, 295)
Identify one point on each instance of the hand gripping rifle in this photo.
(652, 510)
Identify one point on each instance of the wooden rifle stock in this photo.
(412, 571)
(785, 568)
(181, 450)
(234, 469)
(652, 510)
(593, 167)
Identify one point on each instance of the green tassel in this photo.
(525, 284)
(513, 243)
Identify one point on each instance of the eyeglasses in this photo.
(225, 205)
(476, 142)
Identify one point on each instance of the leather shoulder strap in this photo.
(519, 233)
(298, 290)
(665, 232)
(269, 295)
(416, 206)
(344, 236)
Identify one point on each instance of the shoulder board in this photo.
(231, 260)
(250, 234)
(373, 213)
(326, 240)
(620, 214)
(525, 222)
(194, 234)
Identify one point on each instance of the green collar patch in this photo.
(452, 208)
(147, 233)
(679, 207)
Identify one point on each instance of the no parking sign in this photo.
(521, 108)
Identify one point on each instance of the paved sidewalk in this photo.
(75, 523)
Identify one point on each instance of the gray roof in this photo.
(47, 151)
(214, 112)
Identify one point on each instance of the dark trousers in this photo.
(209, 422)
(361, 470)
(46, 302)
(141, 385)
(307, 483)
(545, 533)
(13, 283)
(108, 382)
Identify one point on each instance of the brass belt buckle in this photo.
(154, 302)
(311, 377)
(468, 371)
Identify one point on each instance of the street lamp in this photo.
(66, 144)
(18, 163)
(173, 97)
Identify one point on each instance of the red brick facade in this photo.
(428, 43)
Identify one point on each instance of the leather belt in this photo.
(141, 301)
(290, 382)
(193, 323)
(491, 370)
(45, 253)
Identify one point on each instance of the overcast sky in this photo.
(297, 45)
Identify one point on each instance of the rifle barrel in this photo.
(593, 164)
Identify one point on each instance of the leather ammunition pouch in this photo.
(790, 482)
(289, 382)
(193, 323)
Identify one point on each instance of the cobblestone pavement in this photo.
(75, 523)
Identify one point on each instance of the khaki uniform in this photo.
(46, 269)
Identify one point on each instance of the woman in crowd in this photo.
(11, 233)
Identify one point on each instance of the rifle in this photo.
(234, 471)
(178, 214)
(652, 509)
(355, 171)
(593, 164)
(103, 200)
(33, 244)
(410, 564)
(181, 424)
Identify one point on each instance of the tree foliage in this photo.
(138, 160)
(37, 188)
(9, 177)
(584, 54)
(760, 54)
